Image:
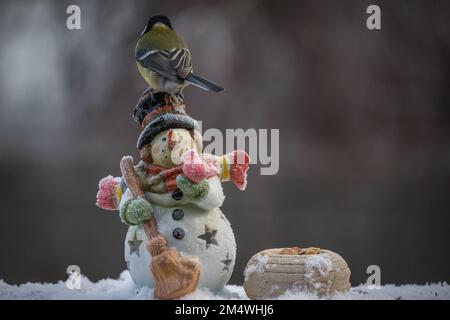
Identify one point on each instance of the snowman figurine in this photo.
(186, 204)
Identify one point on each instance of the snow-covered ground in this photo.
(123, 288)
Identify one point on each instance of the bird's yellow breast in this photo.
(149, 76)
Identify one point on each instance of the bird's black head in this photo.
(155, 19)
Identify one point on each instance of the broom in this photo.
(175, 275)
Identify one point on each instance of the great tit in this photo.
(164, 60)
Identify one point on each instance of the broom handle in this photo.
(132, 181)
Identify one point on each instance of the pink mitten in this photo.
(195, 168)
(106, 196)
(239, 168)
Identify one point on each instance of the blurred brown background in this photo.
(363, 118)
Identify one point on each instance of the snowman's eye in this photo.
(164, 139)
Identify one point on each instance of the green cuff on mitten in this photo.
(136, 211)
(193, 191)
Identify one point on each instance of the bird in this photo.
(164, 60)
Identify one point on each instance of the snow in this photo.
(320, 263)
(258, 267)
(124, 288)
(316, 265)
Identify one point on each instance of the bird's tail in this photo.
(203, 83)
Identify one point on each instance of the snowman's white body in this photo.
(206, 234)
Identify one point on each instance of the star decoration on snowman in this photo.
(226, 263)
(172, 197)
(134, 245)
(209, 236)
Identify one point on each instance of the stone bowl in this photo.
(270, 273)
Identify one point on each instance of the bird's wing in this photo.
(180, 61)
(173, 65)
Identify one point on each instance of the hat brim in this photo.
(165, 122)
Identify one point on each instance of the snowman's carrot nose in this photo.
(172, 139)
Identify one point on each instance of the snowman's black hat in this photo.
(158, 112)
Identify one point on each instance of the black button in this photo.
(177, 195)
(177, 214)
(178, 233)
